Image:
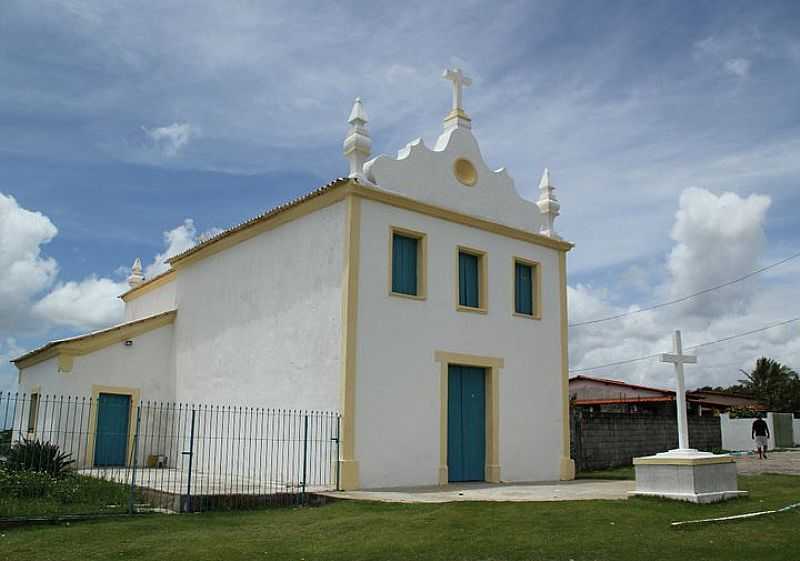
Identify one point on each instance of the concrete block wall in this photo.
(604, 440)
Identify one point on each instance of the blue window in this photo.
(523, 288)
(405, 264)
(469, 279)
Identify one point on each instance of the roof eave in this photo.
(96, 340)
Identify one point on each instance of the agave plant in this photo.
(35, 455)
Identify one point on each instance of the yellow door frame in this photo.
(492, 366)
(134, 394)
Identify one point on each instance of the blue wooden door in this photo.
(111, 440)
(466, 423)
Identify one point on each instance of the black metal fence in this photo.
(111, 454)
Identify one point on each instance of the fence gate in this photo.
(784, 434)
(68, 455)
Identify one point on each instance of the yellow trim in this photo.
(536, 279)
(31, 427)
(483, 280)
(492, 366)
(292, 212)
(135, 396)
(337, 191)
(455, 113)
(566, 464)
(422, 262)
(348, 465)
(469, 360)
(399, 201)
(65, 362)
(148, 285)
(67, 349)
(683, 461)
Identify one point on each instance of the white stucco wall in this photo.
(397, 388)
(259, 324)
(155, 301)
(147, 365)
(66, 412)
(426, 174)
(737, 433)
(796, 431)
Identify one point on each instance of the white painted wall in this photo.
(147, 365)
(155, 301)
(397, 382)
(493, 196)
(66, 406)
(737, 433)
(260, 323)
(796, 431)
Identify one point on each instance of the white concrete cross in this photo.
(459, 80)
(679, 359)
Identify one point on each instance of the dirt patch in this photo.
(776, 462)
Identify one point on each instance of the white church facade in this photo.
(421, 297)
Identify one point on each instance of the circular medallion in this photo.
(465, 172)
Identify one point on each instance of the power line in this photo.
(788, 321)
(689, 296)
(706, 344)
(618, 363)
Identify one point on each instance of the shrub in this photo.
(25, 484)
(5, 441)
(68, 489)
(38, 456)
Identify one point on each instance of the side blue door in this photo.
(111, 440)
(466, 423)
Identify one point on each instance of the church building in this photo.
(421, 297)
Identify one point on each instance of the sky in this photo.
(671, 130)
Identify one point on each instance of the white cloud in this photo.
(177, 240)
(738, 67)
(8, 350)
(171, 138)
(89, 304)
(24, 271)
(93, 302)
(717, 238)
(29, 301)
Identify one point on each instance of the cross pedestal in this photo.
(684, 473)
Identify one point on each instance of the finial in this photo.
(544, 182)
(357, 144)
(548, 205)
(136, 277)
(457, 118)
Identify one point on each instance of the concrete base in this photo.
(687, 475)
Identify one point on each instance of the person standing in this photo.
(760, 434)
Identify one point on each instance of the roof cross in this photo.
(456, 75)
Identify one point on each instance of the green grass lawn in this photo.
(636, 529)
(624, 472)
(41, 495)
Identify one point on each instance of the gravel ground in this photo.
(776, 462)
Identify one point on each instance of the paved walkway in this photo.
(776, 462)
(578, 490)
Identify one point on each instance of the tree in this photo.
(774, 384)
